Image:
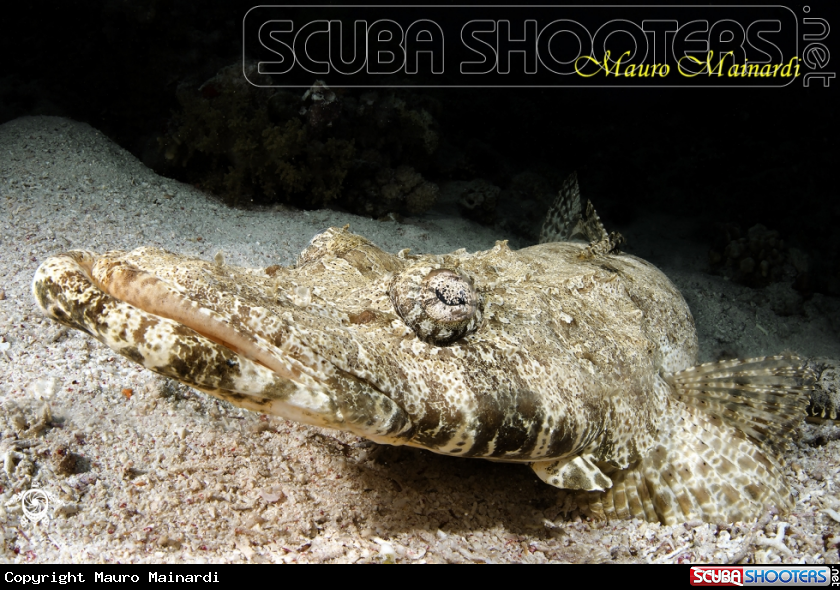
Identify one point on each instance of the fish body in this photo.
(569, 355)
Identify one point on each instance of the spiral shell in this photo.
(441, 305)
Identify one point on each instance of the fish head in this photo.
(512, 355)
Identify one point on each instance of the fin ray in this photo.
(764, 397)
(566, 220)
(562, 220)
(706, 469)
(718, 451)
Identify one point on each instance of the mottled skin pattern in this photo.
(573, 366)
(825, 401)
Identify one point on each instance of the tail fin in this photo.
(718, 454)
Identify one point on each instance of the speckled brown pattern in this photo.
(580, 365)
(566, 221)
(825, 402)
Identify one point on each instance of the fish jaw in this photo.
(182, 340)
(283, 351)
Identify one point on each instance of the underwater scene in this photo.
(467, 285)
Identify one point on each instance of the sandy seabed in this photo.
(143, 469)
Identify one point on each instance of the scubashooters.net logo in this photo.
(536, 46)
(757, 575)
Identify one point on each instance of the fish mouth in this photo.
(145, 291)
(153, 323)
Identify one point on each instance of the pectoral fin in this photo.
(572, 473)
(718, 454)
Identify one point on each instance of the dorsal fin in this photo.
(566, 220)
(562, 222)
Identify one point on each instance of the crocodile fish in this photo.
(569, 356)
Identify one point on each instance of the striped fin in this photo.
(563, 222)
(717, 457)
(566, 221)
(764, 397)
(704, 469)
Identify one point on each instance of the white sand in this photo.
(170, 475)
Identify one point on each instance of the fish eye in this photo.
(451, 296)
(441, 305)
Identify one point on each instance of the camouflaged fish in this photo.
(569, 356)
